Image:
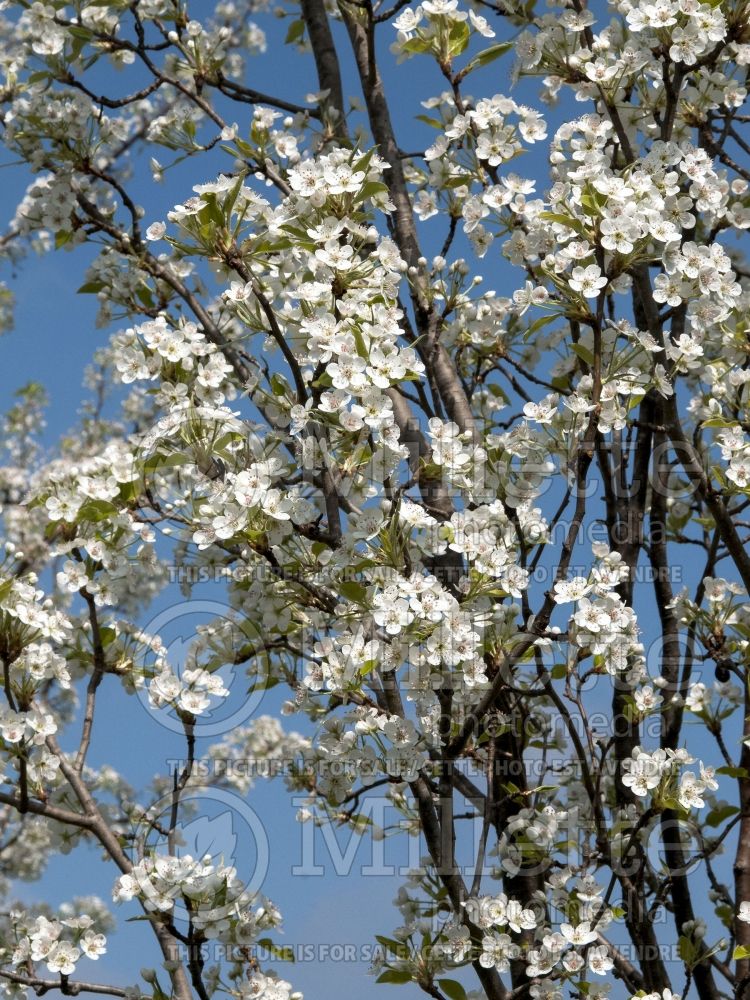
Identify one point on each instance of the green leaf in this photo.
(452, 989)
(741, 951)
(91, 288)
(97, 510)
(416, 46)
(264, 683)
(230, 200)
(279, 386)
(592, 201)
(107, 635)
(493, 52)
(458, 38)
(283, 953)
(718, 422)
(733, 772)
(391, 976)
(244, 147)
(635, 400)
(353, 591)
(211, 210)
(432, 122)
(564, 220)
(488, 56)
(583, 353)
(371, 189)
(390, 945)
(295, 33)
(539, 323)
(686, 949)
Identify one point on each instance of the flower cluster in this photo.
(217, 901)
(59, 943)
(261, 749)
(603, 624)
(659, 774)
(191, 692)
(691, 28)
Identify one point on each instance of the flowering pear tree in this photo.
(447, 395)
